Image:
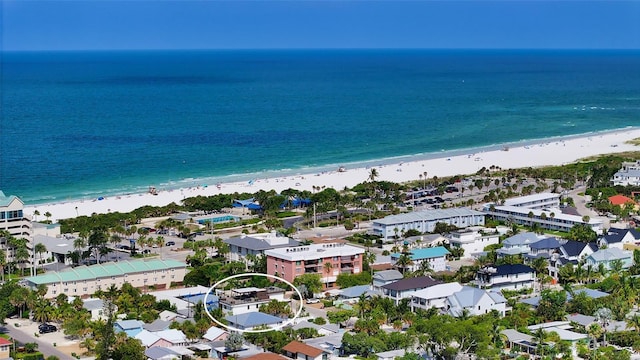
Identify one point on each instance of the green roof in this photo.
(7, 200)
(81, 273)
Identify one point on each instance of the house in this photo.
(330, 343)
(95, 307)
(587, 320)
(475, 301)
(425, 221)
(157, 325)
(426, 240)
(622, 201)
(353, 293)
(391, 354)
(182, 299)
(302, 351)
(251, 320)
(629, 174)
(608, 256)
(562, 329)
(403, 289)
(519, 244)
(244, 300)
(161, 353)
(570, 252)
(265, 356)
(215, 334)
(509, 277)
(256, 244)
(433, 296)
(164, 338)
(543, 248)
(129, 327)
(617, 238)
(535, 201)
(326, 329)
(472, 241)
(590, 293)
(385, 277)
(5, 348)
(519, 341)
(435, 256)
(327, 260)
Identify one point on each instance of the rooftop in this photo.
(417, 283)
(531, 198)
(427, 215)
(314, 251)
(426, 253)
(296, 347)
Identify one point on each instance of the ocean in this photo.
(88, 124)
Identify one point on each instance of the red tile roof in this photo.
(266, 356)
(620, 200)
(296, 347)
(4, 341)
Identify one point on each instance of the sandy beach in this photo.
(547, 152)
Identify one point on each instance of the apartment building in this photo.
(425, 221)
(327, 260)
(18, 224)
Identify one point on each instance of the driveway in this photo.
(24, 333)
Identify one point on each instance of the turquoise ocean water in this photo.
(87, 124)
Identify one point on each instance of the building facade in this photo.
(472, 241)
(425, 221)
(17, 224)
(86, 280)
(629, 174)
(326, 260)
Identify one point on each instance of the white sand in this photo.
(552, 152)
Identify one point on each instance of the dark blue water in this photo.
(81, 124)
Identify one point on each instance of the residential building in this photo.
(385, 277)
(570, 252)
(163, 338)
(472, 241)
(424, 221)
(95, 307)
(618, 238)
(543, 248)
(404, 288)
(433, 296)
(535, 201)
(129, 327)
(245, 300)
(5, 348)
(302, 351)
(608, 256)
(256, 244)
(562, 329)
(265, 356)
(622, 201)
(331, 343)
(215, 334)
(474, 301)
(85, 280)
(519, 244)
(541, 209)
(426, 240)
(251, 320)
(629, 174)
(327, 260)
(184, 299)
(16, 223)
(326, 329)
(436, 257)
(507, 277)
(352, 294)
(391, 354)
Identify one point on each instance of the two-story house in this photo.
(508, 276)
(385, 277)
(519, 244)
(301, 351)
(436, 257)
(472, 241)
(475, 301)
(434, 296)
(609, 256)
(618, 238)
(256, 244)
(244, 300)
(404, 288)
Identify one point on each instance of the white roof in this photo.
(530, 198)
(213, 333)
(172, 335)
(427, 215)
(147, 338)
(314, 251)
(437, 291)
(610, 254)
(558, 215)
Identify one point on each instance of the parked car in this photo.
(170, 243)
(313, 301)
(46, 328)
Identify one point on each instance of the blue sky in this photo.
(147, 24)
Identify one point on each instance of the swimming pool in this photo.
(219, 219)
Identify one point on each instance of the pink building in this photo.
(327, 260)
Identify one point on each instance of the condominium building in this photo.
(85, 280)
(327, 260)
(425, 221)
(535, 201)
(14, 221)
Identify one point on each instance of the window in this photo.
(298, 262)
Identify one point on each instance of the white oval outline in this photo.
(231, 328)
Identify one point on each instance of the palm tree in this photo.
(634, 322)
(423, 269)
(160, 243)
(21, 255)
(327, 268)
(115, 239)
(47, 215)
(3, 262)
(404, 261)
(40, 249)
(36, 213)
(603, 316)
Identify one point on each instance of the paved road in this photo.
(22, 338)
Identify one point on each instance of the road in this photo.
(22, 338)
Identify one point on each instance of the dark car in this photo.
(47, 328)
(170, 243)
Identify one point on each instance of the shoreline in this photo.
(557, 150)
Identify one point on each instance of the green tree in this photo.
(312, 283)
(234, 342)
(40, 249)
(552, 305)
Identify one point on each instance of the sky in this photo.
(33, 25)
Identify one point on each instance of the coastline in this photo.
(526, 153)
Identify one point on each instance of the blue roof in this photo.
(574, 248)
(253, 319)
(354, 291)
(211, 299)
(426, 253)
(547, 243)
(509, 269)
(241, 203)
(614, 235)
